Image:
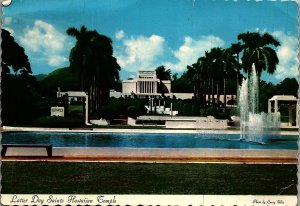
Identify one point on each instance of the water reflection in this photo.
(134, 140)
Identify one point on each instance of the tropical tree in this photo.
(196, 74)
(13, 56)
(236, 49)
(193, 75)
(229, 67)
(215, 71)
(259, 54)
(17, 84)
(181, 84)
(162, 74)
(92, 60)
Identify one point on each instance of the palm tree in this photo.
(196, 74)
(258, 53)
(215, 71)
(92, 60)
(163, 74)
(193, 76)
(236, 49)
(230, 66)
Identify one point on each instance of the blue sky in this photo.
(150, 33)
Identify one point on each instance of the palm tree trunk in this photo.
(224, 100)
(208, 93)
(238, 73)
(218, 95)
(212, 93)
(195, 93)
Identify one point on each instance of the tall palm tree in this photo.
(92, 60)
(193, 76)
(197, 75)
(215, 71)
(163, 74)
(258, 53)
(236, 49)
(229, 66)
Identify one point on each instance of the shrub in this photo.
(203, 112)
(56, 121)
(212, 111)
(157, 122)
(132, 112)
(108, 112)
(186, 109)
(222, 115)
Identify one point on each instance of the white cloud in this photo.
(191, 50)
(140, 53)
(56, 60)
(120, 34)
(7, 20)
(6, 24)
(147, 53)
(287, 54)
(45, 40)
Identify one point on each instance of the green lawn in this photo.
(77, 108)
(141, 178)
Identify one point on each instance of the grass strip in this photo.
(141, 178)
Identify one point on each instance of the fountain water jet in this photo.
(254, 126)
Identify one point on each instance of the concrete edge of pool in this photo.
(115, 130)
(155, 155)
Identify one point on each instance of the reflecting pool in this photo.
(152, 140)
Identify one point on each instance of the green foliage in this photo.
(151, 122)
(56, 121)
(162, 73)
(19, 99)
(19, 90)
(108, 112)
(257, 50)
(91, 59)
(203, 112)
(133, 112)
(222, 115)
(289, 86)
(234, 111)
(62, 78)
(212, 111)
(13, 55)
(182, 84)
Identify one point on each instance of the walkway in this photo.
(156, 155)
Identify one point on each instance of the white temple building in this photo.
(146, 84)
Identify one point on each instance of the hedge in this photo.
(56, 121)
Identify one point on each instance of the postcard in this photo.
(149, 102)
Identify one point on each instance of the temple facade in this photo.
(146, 84)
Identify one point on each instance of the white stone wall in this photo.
(129, 86)
(204, 123)
(181, 124)
(182, 95)
(115, 94)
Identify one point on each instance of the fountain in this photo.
(254, 126)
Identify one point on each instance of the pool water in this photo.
(137, 140)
